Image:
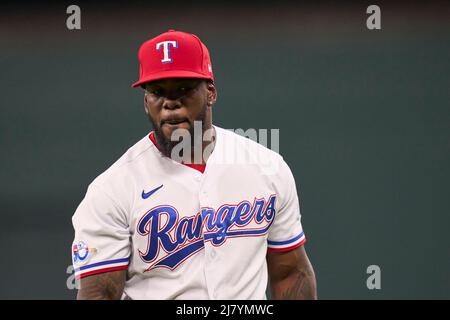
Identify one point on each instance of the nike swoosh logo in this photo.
(145, 195)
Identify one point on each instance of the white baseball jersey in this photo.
(184, 234)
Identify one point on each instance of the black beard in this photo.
(166, 145)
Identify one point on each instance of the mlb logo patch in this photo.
(81, 252)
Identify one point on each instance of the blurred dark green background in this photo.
(364, 121)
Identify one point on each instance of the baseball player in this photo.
(165, 222)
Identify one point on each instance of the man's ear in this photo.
(212, 92)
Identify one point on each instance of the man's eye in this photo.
(185, 89)
(155, 92)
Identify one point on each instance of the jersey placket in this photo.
(211, 255)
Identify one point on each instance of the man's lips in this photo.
(174, 121)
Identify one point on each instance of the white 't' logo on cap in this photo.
(166, 49)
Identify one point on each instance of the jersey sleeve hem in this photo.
(287, 245)
(288, 248)
(101, 267)
(90, 273)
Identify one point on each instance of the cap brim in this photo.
(170, 74)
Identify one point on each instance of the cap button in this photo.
(171, 30)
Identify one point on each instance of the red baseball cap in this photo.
(173, 54)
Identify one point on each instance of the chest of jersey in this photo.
(179, 215)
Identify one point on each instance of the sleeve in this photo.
(286, 233)
(102, 236)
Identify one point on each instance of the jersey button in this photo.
(213, 254)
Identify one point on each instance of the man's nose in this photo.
(170, 103)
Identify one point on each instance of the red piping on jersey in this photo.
(198, 167)
(90, 273)
(288, 248)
